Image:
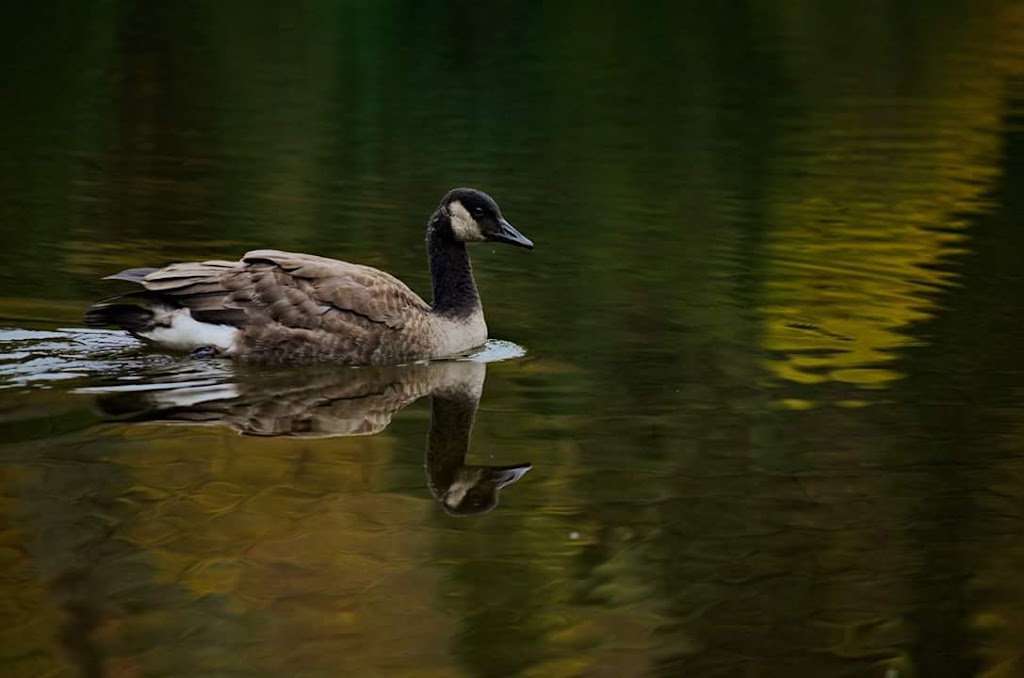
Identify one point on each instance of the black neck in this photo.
(455, 291)
(451, 421)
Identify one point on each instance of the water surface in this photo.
(771, 388)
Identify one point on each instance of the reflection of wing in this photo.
(343, 402)
(302, 403)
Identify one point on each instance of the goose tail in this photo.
(128, 316)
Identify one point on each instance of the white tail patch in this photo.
(185, 333)
(193, 395)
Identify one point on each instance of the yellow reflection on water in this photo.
(867, 207)
(27, 643)
(298, 538)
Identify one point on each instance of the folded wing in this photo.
(295, 290)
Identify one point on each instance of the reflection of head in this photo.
(474, 489)
(461, 489)
(321, 403)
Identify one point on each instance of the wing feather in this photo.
(342, 287)
(301, 291)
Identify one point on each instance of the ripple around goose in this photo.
(289, 308)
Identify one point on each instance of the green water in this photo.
(773, 382)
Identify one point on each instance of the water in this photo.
(764, 362)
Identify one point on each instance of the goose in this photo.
(289, 308)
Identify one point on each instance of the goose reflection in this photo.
(348, 402)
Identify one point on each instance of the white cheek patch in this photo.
(459, 488)
(464, 226)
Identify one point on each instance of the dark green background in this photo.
(773, 388)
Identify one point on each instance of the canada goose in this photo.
(328, 402)
(280, 307)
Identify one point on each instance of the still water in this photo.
(756, 407)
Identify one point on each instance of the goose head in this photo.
(475, 217)
(474, 489)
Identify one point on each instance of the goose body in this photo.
(283, 307)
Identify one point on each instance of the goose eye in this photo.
(478, 211)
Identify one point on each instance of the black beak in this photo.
(510, 236)
(506, 475)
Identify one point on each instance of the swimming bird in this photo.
(288, 308)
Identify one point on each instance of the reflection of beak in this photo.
(510, 236)
(474, 490)
(506, 475)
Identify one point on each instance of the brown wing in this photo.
(336, 287)
(295, 290)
